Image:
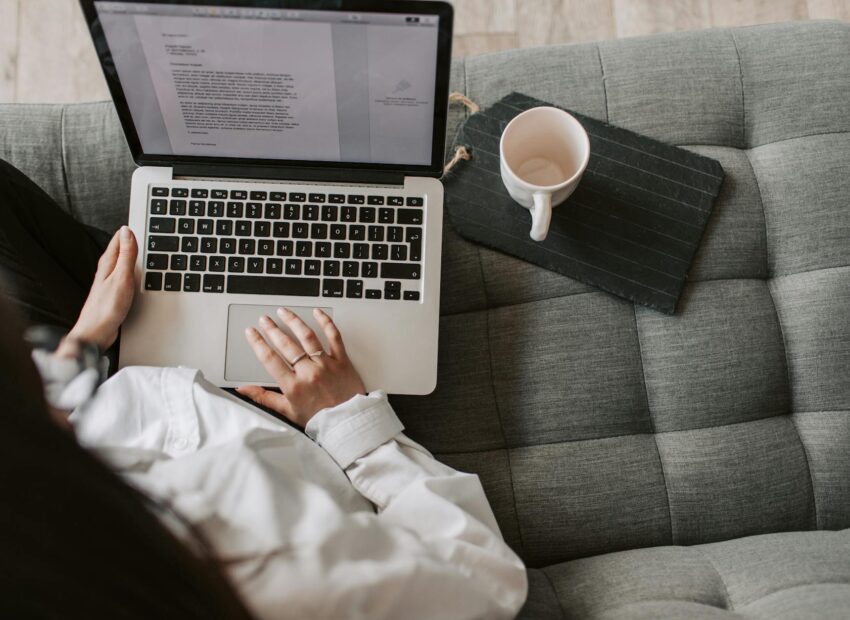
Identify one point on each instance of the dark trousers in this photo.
(47, 258)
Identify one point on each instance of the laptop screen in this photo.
(275, 83)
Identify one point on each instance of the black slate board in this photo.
(631, 228)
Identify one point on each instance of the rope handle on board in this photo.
(461, 152)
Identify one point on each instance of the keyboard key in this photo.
(236, 264)
(197, 208)
(153, 281)
(186, 226)
(163, 244)
(332, 288)
(304, 248)
(338, 231)
(277, 196)
(323, 249)
(300, 230)
(200, 193)
(235, 209)
(411, 295)
(256, 264)
(330, 213)
(354, 289)
(217, 263)
(376, 200)
(159, 206)
(247, 246)
(238, 194)
(215, 208)
(159, 191)
(414, 201)
(312, 267)
(210, 245)
(409, 216)
(219, 193)
(213, 284)
(293, 267)
(192, 282)
(262, 229)
(367, 215)
(392, 286)
(317, 198)
(395, 234)
(342, 250)
(285, 248)
(254, 210)
(380, 251)
(336, 199)
(357, 232)
(398, 252)
(361, 251)
(415, 251)
(318, 231)
(224, 228)
(413, 234)
(189, 245)
(395, 201)
(179, 262)
(227, 245)
(173, 282)
(291, 212)
(274, 265)
(297, 196)
(386, 216)
(348, 215)
(311, 212)
(373, 293)
(370, 270)
(243, 228)
(157, 261)
(330, 268)
(281, 229)
(198, 263)
(376, 233)
(356, 199)
(177, 207)
(265, 247)
(272, 211)
(351, 269)
(392, 294)
(259, 195)
(179, 192)
(205, 227)
(162, 225)
(401, 271)
(273, 285)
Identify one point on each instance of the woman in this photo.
(350, 520)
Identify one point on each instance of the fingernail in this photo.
(284, 311)
(266, 320)
(125, 233)
(250, 331)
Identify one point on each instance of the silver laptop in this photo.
(287, 157)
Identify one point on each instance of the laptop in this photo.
(289, 155)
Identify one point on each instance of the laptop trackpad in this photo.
(240, 363)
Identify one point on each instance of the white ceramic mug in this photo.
(543, 151)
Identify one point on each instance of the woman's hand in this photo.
(111, 292)
(314, 380)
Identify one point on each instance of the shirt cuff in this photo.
(354, 428)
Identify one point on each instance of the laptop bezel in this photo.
(353, 171)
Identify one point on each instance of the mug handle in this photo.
(541, 215)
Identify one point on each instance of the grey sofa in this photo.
(644, 466)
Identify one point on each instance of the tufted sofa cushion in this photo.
(606, 435)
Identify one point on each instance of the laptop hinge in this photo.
(326, 175)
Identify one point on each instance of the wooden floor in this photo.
(46, 54)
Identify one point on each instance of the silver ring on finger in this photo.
(297, 359)
(316, 354)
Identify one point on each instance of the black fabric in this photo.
(631, 228)
(47, 258)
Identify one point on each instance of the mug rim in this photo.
(562, 184)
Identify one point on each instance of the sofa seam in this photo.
(62, 158)
(652, 425)
(704, 554)
(794, 587)
(743, 98)
(604, 84)
(554, 592)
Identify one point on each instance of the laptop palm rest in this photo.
(240, 363)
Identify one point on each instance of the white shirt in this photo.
(353, 521)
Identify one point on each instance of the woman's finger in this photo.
(271, 361)
(335, 342)
(128, 249)
(267, 398)
(290, 349)
(305, 335)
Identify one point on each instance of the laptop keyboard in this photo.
(356, 246)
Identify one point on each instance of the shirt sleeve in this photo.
(442, 552)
